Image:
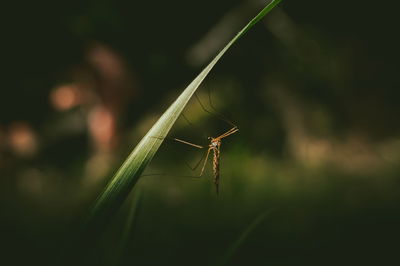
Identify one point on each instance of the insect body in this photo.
(214, 146)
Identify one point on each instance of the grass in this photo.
(242, 237)
(117, 190)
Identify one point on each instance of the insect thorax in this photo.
(214, 143)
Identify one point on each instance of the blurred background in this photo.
(313, 89)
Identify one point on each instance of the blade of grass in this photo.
(235, 245)
(128, 174)
(130, 220)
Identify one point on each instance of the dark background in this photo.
(313, 88)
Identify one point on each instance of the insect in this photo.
(214, 146)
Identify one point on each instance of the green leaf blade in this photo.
(130, 171)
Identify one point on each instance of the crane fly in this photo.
(215, 145)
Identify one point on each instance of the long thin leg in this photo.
(205, 161)
(215, 109)
(215, 113)
(189, 143)
(193, 125)
(179, 140)
(186, 119)
(198, 163)
(197, 146)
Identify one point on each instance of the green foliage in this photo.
(246, 232)
(130, 171)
